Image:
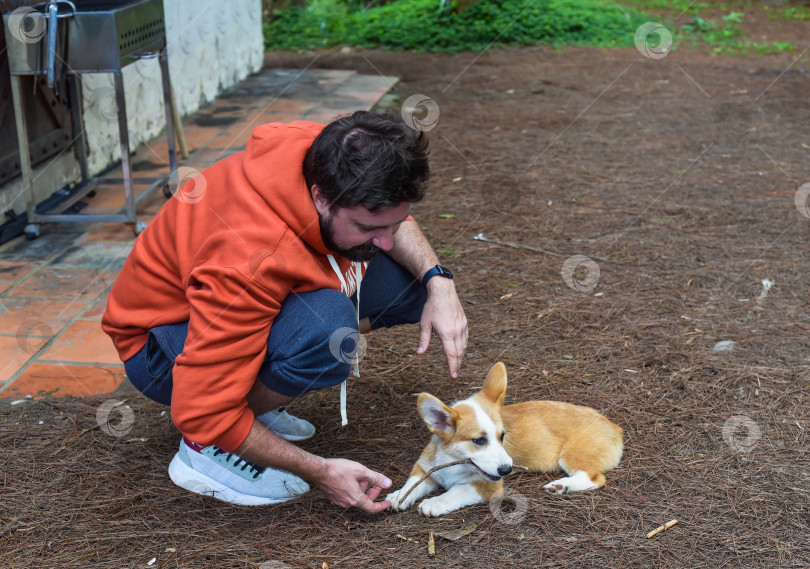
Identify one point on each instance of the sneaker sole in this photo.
(294, 438)
(193, 481)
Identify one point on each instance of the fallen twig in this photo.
(659, 529)
(79, 434)
(480, 237)
(435, 468)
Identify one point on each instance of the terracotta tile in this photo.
(74, 380)
(64, 284)
(90, 255)
(114, 232)
(111, 199)
(49, 243)
(36, 318)
(110, 190)
(288, 106)
(148, 206)
(239, 133)
(106, 200)
(84, 341)
(12, 271)
(224, 106)
(157, 152)
(324, 115)
(97, 310)
(267, 116)
(362, 91)
(198, 136)
(202, 159)
(232, 139)
(150, 166)
(14, 352)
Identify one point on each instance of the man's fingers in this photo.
(374, 507)
(375, 479)
(372, 484)
(453, 354)
(461, 347)
(425, 330)
(373, 492)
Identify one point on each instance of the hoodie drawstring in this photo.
(344, 420)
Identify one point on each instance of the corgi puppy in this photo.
(544, 436)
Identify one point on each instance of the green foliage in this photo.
(418, 25)
(709, 31)
(767, 48)
(800, 13)
(726, 38)
(667, 6)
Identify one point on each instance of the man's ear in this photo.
(320, 201)
(494, 388)
(440, 419)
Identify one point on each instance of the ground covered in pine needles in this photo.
(679, 183)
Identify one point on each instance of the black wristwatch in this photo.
(439, 270)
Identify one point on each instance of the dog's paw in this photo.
(394, 498)
(438, 506)
(577, 482)
(556, 487)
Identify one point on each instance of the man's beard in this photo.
(359, 253)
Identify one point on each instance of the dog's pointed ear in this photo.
(440, 419)
(494, 388)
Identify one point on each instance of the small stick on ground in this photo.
(480, 237)
(659, 529)
(435, 468)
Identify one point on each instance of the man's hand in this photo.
(346, 483)
(350, 484)
(444, 315)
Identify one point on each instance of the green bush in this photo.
(419, 25)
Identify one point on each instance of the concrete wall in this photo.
(212, 44)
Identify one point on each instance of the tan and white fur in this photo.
(544, 436)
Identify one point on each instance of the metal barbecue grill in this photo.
(87, 36)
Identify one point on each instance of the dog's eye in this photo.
(480, 441)
(503, 435)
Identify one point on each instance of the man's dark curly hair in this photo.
(369, 159)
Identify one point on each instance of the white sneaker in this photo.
(211, 471)
(286, 426)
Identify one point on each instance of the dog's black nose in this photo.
(504, 469)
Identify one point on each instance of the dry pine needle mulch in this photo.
(684, 214)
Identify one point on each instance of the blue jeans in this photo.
(311, 342)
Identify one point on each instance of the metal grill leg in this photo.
(167, 103)
(124, 136)
(22, 142)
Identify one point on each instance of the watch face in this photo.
(444, 271)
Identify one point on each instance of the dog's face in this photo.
(472, 429)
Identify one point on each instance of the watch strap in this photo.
(439, 270)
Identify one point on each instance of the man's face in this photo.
(358, 234)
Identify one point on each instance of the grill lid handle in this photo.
(53, 16)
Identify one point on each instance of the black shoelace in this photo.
(255, 469)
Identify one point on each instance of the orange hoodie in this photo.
(224, 257)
